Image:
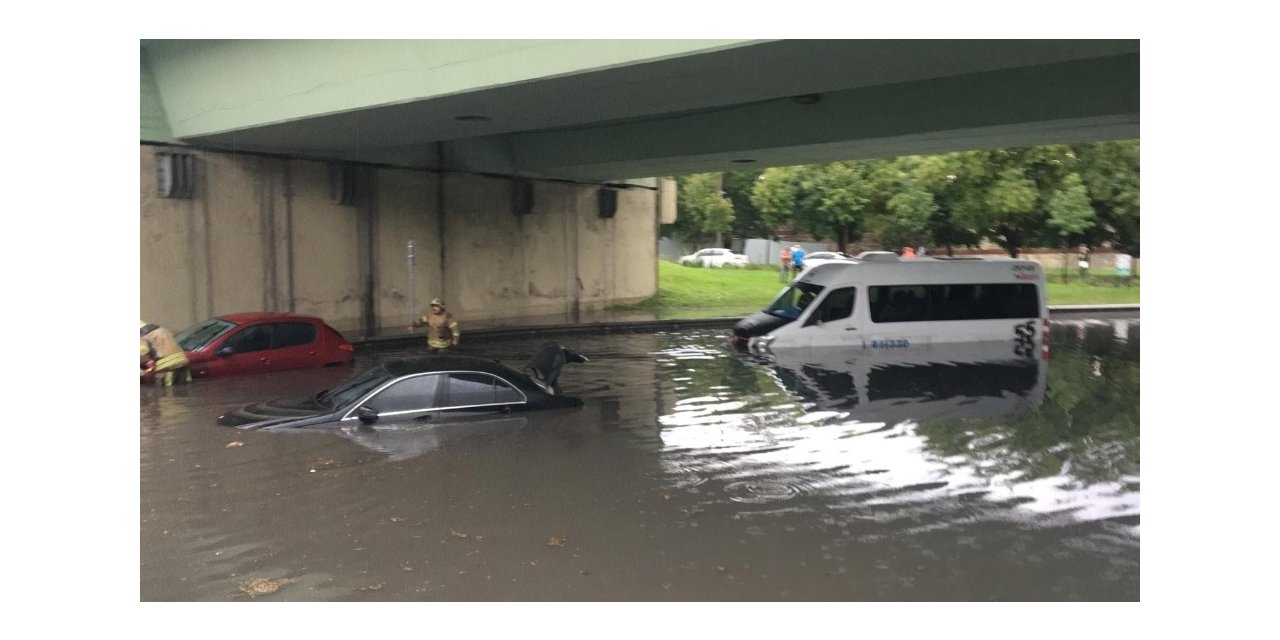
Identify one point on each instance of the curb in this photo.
(1098, 311)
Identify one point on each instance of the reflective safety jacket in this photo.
(165, 349)
(442, 329)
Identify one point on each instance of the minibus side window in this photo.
(901, 303)
(836, 306)
(941, 302)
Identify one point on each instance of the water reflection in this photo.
(944, 435)
(692, 472)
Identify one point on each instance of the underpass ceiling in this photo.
(680, 107)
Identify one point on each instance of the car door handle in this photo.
(850, 328)
(422, 419)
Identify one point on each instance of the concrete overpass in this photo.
(296, 175)
(610, 110)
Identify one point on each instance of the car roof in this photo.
(838, 272)
(259, 316)
(424, 364)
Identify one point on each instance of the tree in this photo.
(1111, 173)
(903, 202)
(748, 222)
(1070, 212)
(1003, 193)
(702, 210)
(774, 194)
(825, 201)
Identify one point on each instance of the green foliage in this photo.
(1111, 173)
(903, 203)
(702, 210)
(748, 222)
(825, 201)
(1049, 195)
(1069, 210)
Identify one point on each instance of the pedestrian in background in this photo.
(797, 258)
(908, 252)
(442, 329)
(1082, 261)
(784, 263)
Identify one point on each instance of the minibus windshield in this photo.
(793, 300)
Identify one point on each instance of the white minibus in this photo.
(879, 302)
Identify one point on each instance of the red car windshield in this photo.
(202, 334)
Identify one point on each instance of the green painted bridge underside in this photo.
(601, 110)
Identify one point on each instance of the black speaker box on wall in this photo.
(608, 202)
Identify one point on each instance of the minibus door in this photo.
(832, 322)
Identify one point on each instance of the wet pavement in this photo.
(691, 473)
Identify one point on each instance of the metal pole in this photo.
(413, 260)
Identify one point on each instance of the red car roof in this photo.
(256, 316)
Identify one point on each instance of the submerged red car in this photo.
(243, 343)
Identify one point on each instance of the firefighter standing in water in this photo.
(162, 355)
(442, 329)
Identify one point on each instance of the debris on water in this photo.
(232, 445)
(689, 512)
(557, 541)
(264, 586)
(666, 495)
(458, 534)
(397, 519)
(372, 587)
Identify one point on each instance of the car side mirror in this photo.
(367, 414)
(224, 351)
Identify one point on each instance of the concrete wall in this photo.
(263, 233)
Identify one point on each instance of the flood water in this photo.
(692, 473)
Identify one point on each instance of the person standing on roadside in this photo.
(797, 258)
(784, 263)
(442, 329)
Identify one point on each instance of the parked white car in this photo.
(715, 258)
(823, 257)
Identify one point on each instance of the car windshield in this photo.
(793, 300)
(353, 389)
(202, 334)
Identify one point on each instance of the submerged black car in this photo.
(428, 389)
